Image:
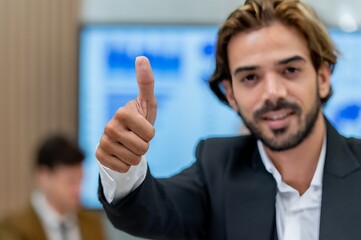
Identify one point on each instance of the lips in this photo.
(278, 119)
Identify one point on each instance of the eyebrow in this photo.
(295, 58)
(291, 59)
(246, 68)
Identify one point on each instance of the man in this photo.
(293, 178)
(53, 212)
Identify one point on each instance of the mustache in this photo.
(279, 105)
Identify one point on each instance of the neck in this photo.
(62, 212)
(298, 165)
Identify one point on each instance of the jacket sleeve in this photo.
(170, 208)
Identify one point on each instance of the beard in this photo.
(305, 126)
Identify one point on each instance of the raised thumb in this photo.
(145, 79)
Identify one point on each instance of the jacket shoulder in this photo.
(215, 151)
(225, 144)
(22, 224)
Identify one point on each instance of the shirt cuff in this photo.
(118, 185)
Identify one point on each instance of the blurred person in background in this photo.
(54, 211)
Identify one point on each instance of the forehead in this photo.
(68, 170)
(266, 45)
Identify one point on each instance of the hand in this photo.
(126, 136)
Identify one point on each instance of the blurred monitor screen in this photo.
(182, 58)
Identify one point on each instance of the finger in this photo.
(128, 139)
(119, 151)
(115, 155)
(134, 122)
(134, 143)
(145, 78)
(111, 161)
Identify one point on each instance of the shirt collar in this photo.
(48, 215)
(317, 177)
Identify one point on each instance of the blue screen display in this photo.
(344, 108)
(182, 59)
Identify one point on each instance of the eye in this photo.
(249, 78)
(291, 70)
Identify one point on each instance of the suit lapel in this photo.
(30, 225)
(250, 197)
(250, 194)
(341, 194)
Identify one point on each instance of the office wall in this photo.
(38, 86)
(157, 11)
(200, 11)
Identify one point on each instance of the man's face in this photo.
(275, 87)
(61, 186)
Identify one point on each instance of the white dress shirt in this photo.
(117, 185)
(51, 219)
(297, 217)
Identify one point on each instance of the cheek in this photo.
(55, 191)
(248, 102)
(65, 190)
(305, 96)
(51, 186)
(73, 190)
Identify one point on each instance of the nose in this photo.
(274, 87)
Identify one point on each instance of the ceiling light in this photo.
(347, 22)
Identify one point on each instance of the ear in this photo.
(227, 84)
(324, 85)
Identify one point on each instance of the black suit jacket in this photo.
(228, 194)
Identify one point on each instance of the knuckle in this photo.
(123, 169)
(143, 148)
(121, 115)
(138, 159)
(99, 154)
(134, 160)
(116, 164)
(105, 144)
(109, 130)
(150, 134)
